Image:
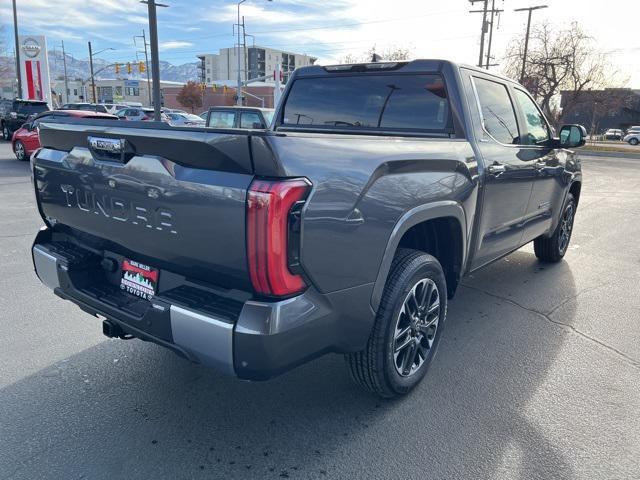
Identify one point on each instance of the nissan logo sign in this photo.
(31, 48)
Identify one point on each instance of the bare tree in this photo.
(560, 60)
(190, 96)
(391, 54)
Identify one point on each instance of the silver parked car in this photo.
(185, 120)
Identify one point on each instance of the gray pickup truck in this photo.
(345, 228)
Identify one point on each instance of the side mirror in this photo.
(572, 136)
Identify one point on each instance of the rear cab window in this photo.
(412, 103)
(221, 119)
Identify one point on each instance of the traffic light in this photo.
(141, 67)
(117, 68)
(202, 86)
(128, 67)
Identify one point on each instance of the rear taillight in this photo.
(273, 210)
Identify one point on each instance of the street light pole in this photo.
(66, 81)
(155, 57)
(93, 81)
(239, 89)
(526, 38)
(15, 33)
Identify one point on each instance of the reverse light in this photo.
(271, 207)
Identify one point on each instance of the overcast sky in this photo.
(327, 29)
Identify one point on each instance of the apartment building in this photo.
(255, 62)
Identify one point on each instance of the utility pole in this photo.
(484, 26)
(244, 51)
(155, 57)
(239, 88)
(93, 80)
(66, 80)
(493, 12)
(15, 33)
(146, 60)
(526, 38)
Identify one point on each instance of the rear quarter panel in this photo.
(362, 186)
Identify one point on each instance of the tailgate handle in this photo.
(111, 149)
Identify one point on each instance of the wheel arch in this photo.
(437, 228)
(574, 190)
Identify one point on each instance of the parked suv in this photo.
(14, 113)
(343, 228)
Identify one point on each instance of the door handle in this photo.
(496, 168)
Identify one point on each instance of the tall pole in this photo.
(484, 27)
(155, 58)
(15, 33)
(244, 51)
(93, 80)
(526, 38)
(66, 79)
(239, 88)
(146, 60)
(493, 11)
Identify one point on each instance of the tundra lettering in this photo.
(118, 209)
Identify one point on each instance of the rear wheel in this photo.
(634, 141)
(553, 248)
(19, 150)
(407, 328)
(6, 134)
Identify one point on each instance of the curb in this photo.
(592, 153)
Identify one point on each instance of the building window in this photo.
(75, 92)
(132, 91)
(119, 91)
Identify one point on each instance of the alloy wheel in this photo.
(566, 226)
(19, 150)
(416, 327)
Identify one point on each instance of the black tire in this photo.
(6, 134)
(552, 249)
(633, 141)
(376, 367)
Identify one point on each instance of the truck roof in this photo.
(417, 66)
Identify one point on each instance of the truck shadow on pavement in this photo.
(133, 410)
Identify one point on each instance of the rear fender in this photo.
(419, 214)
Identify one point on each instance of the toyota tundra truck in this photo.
(344, 228)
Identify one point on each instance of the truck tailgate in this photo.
(172, 198)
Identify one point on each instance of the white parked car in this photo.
(632, 138)
(114, 108)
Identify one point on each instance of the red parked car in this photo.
(25, 140)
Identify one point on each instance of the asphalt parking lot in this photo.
(537, 376)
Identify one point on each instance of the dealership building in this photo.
(107, 91)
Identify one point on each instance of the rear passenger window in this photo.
(221, 119)
(499, 118)
(370, 102)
